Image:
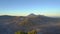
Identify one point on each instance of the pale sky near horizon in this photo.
(25, 7)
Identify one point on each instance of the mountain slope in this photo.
(40, 23)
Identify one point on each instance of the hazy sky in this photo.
(25, 7)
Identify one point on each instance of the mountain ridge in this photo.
(25, 23)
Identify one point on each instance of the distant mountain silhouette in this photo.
(40, 23)
(32, 14)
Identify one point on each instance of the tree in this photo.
(32, 32)
(20, 32)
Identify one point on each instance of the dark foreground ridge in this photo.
(31, 24)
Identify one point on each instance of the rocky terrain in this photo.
(42, 24)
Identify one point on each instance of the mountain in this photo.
(42, 24)
(31, 14)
